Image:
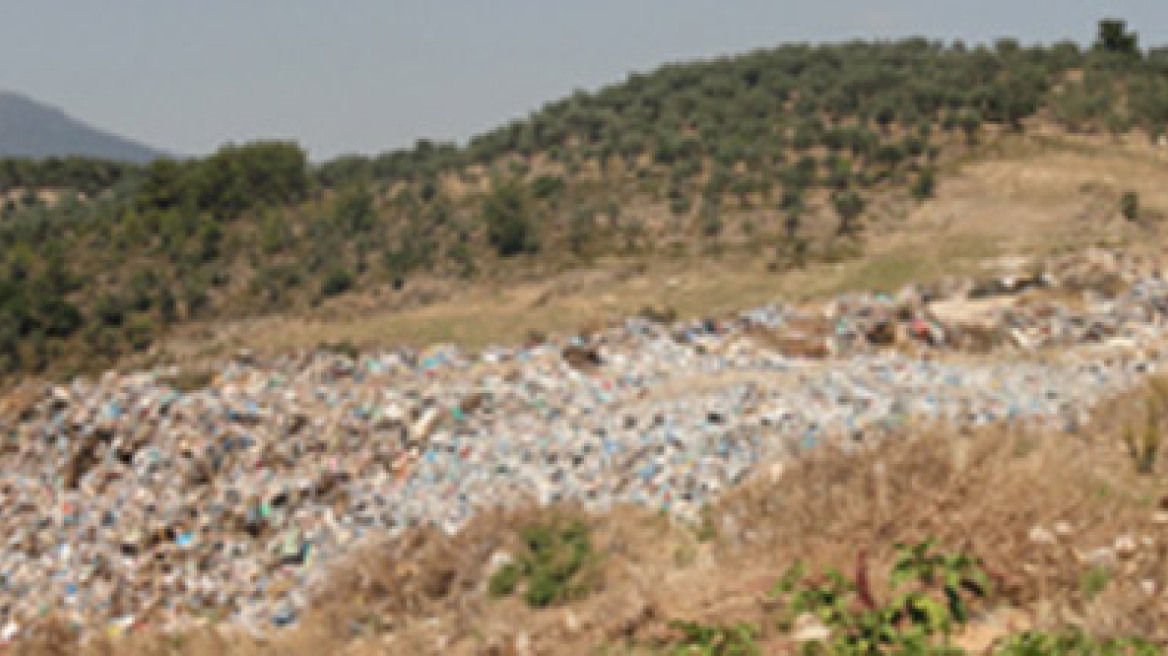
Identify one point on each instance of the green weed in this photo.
(715, 640)
(557, 564)
(1073, 644)
(1094, 581)
(930, 596)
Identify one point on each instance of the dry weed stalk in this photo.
(1144, 441)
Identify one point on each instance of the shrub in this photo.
(849, 205)
(139, 332)
(680, 205)
(557, 564)
(1114, 38)
(1129, 205)
(111, 309)
(925, 185)
(792, 199)
(970, 122)
(931, 593)
(1073, 644)
(546, 186)
(337, 281)
(711, 218)
(839, 174)
(354, 210)
(460, 254)
(715, 639)
(581, 228)
(195, 297)
(341, 347)
(509, 226)
(1143, 442)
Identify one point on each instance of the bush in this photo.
(556, 565)
(509, 227)
(1073, 644)
(195, 297)
(1129, 205)
(930, 592)
(111, 309)
(139, 332)
(354, 211)
(925, 185)
(546, 186)
(1114, 38)
(849, 205)
(1144, 441)
(839, 173)
(581, 228)
(337, 281)
(715, 639)
(711, 218)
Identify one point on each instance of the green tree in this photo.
(337, 281)
(970, 121)
(546, 186)
(849, 205)
(354, 211)
(1114, 38)
(506, 211)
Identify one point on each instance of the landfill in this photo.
(126, 502)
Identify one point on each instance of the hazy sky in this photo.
(371, 75)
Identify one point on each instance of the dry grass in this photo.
(1065, 525)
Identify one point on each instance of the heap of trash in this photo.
(125, 501)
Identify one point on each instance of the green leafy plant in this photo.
(957, 575)
(707, 526)
(1093, 581)
(1073, 644)
(930, 598)
(715, 640)
(557, 564)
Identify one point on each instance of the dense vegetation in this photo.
(782, 149)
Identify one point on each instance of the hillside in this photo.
(783, 158)
(839, 350)
(35, 130)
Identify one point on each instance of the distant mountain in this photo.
(32, 129)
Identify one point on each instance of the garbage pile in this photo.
(1088, 298)
(125, 501)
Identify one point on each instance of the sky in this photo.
(366, 76)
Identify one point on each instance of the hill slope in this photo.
(35, 130)
(776, 159)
